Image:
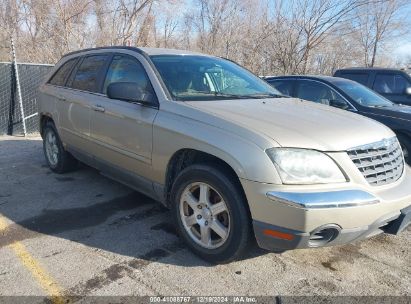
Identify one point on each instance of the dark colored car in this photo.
(352, 96)
(393, 84)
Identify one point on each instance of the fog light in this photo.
(323, 235)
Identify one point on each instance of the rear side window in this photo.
(390, 84)
(60, 76)
(358, 77)
(284, 86)
(126, 69)
(88, 73)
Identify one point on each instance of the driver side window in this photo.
(124, 68)
(320, 93)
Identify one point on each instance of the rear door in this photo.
(392, 86)
(75, 110)
(53, 94)
(123, 131)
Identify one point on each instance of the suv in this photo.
(394, 85)
(230, 156)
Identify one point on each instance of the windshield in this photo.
(189, 78)
(362, 95)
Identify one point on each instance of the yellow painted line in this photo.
(39, 273)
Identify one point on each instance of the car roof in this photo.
(141, 50)
(328, 79)
(163, 51)
(313, 77)
(368, 69)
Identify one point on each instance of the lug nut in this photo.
(206, 223)
(199, 217)
(199, 207)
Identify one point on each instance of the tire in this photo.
(58, 159)
(405, 143)
(232, 222)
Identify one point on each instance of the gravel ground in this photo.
(88, 235)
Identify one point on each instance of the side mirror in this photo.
(408, 91)
(339, 104)
(130, 91)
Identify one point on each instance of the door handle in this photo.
(62, 98)
(98, 108)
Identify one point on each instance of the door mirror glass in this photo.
(129, 91)
(408, 91)
(339, 104)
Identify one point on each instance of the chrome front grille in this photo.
(380, 163)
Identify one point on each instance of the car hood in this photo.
(296, 123)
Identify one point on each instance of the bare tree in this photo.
(266, 36)
(313, 22)
(377, 22)
(165, 24)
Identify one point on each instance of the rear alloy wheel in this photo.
(58, 159)
(51, 148)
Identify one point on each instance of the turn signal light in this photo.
(279, 235)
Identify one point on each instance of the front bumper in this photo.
(287, 218)
(275, 238)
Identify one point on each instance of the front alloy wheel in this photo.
(204, 215)
(210, 212)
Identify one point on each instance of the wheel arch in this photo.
(44, 119)
(185, 157)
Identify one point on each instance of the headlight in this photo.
(302, 166)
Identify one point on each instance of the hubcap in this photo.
(205, 215)
(52, 150)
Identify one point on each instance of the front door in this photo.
(123, 131)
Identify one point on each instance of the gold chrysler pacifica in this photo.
(227, 153)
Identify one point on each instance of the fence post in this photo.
(19, 96)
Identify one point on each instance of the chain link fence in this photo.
(30, 77)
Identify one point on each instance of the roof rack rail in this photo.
(131, 48)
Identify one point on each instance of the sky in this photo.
(402, 52)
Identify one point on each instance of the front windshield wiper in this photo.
(270, 95)
(233, 96)
(251, 96)
(219, 94)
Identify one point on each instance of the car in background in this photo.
(393, 84)
(352, 96)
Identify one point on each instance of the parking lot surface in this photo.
(82, 234)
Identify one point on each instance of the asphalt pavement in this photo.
(81, 234)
